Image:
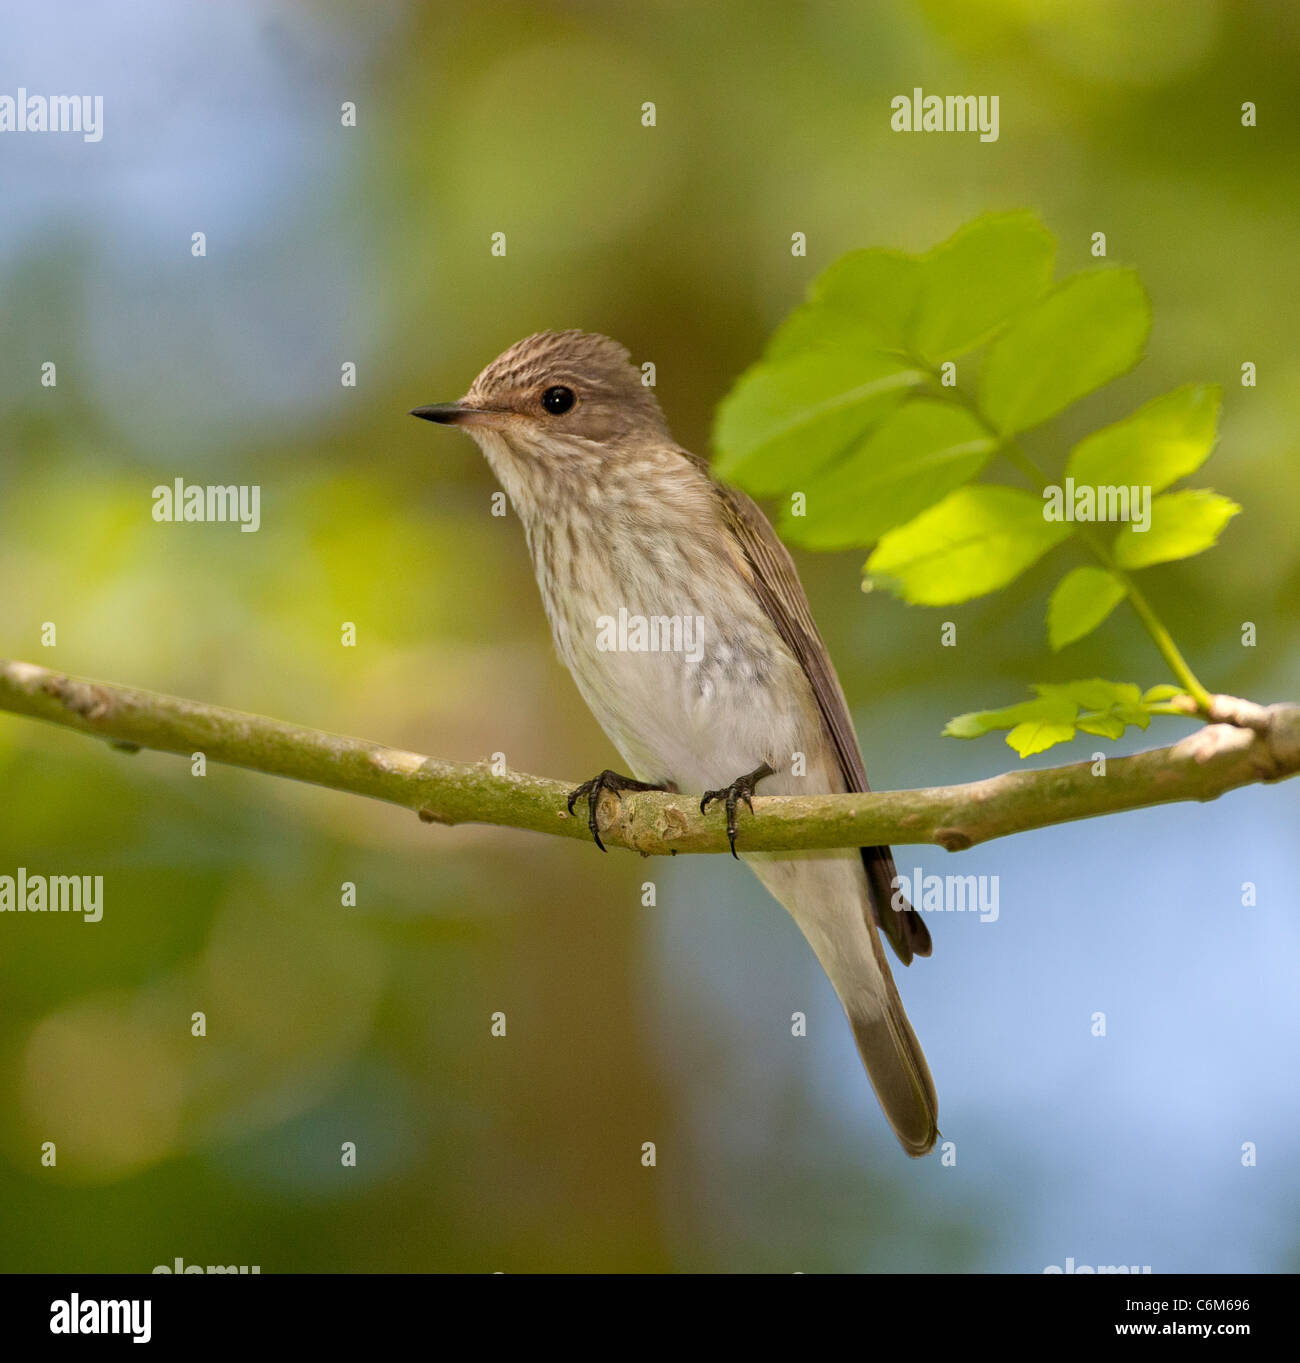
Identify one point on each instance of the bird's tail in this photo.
(827, 895)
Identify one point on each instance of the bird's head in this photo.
(555, 406)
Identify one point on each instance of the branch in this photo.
(1245, 744)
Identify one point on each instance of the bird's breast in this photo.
(672, 652)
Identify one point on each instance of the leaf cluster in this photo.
(854, 417)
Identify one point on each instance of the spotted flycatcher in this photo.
(682, 619)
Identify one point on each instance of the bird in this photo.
(623, 524)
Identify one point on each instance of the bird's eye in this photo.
(558, 400)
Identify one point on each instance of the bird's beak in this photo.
(453, 413)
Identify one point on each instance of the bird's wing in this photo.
(776, 584)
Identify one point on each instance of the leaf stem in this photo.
(1163, 639)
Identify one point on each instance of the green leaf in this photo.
(1034, 724)
(1083, 598)
(1087, 332)
(1159, 695)
(1112, 721)
(977, 280)
(1038, 735)
(1054, 709)
(976, 540)
(919, 454)
(1182, 524)
(1094, 706)
(864, 299)
(1092, 694)
(1168, 438)
(1103, 724)
(1137, 715)
(785, 419)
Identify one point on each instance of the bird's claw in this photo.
(612, 782)
(740, 789)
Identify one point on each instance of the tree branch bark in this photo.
(1246, 744)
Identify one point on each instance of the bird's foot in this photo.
(612, 782)
(740, 789)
